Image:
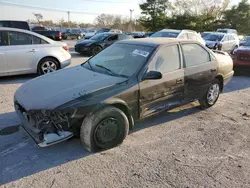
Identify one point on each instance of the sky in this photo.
(95, 7)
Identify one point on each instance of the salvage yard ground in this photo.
(185, 147)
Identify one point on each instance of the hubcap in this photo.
(213, 93)
(107, 131)
(48, 66)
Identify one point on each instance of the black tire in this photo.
(99, 126)
(96, 49)
(234, 49)
(205, 102)
(40, 68)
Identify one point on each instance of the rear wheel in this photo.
(47, 65)
(79, 37)
(104, 129)
(212, 95)
(96, 50)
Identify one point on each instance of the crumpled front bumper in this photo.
(41, 139)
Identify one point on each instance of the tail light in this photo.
(65, 47)
(60, 35)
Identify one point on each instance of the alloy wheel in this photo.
(213, 93)
(48, 66)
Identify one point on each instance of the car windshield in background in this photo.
(247, 38)
(121, 60)
(222, 30)
(213, 37)
(100, 37)
(75, 31)
(247, 43)
(170, 34)
(204, 34)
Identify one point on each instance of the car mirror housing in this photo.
(152, 75)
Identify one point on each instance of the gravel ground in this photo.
(185, 147)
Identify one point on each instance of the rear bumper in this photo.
(65, 63)
(228, 77)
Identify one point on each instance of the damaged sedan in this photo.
(102, 99)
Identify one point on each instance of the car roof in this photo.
(173, 30)
(28, 32)
(153, 42)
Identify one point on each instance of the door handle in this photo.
(179, 81)
(33, 50)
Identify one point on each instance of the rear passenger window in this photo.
(18, 38)
(167, 59)
(37, 40)
(194, 54)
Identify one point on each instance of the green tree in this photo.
(154, 14)
(238, 17)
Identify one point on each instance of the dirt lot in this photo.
(186, 147)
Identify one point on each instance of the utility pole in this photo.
(68, 17)
(131, 12)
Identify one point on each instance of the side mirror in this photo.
(152, 75)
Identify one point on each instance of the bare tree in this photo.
(38, 16)
(198, 7)
(105, 20)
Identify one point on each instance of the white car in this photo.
(181, 34)
(25, 52)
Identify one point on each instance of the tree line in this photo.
(199, 15)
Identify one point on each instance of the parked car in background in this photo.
(241, 56)
(148, 34)
(98, 42)
(205, 33)
(54, 35)
(103, 30)
(181, 34)
(229, 31)
(138, 35)
(72, 34)
(115, 31)
(244, 40)
(133, 79)
(25, 52)
(15, 24)
(221, 41)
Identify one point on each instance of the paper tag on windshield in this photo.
(141, 53)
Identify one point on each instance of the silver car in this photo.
(25, 52)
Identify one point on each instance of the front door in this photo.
(20, 53)
(200, 69)
(167, 92)
(3, 43)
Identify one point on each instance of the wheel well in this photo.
(220, 78)
(51, 58)
(125, 109)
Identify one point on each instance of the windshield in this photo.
(100, 37)
(222, 30)
(213, 37)
(247, 43)
(170, 34)
(122, 60)
(246, 38)
(204, 34)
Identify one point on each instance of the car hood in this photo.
(85, 42)
(243, 49)
(55, 89)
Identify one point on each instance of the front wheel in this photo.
(79, 37)
(96, 50)
(104, 129)
(211, 96)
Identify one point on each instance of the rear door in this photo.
(3, 45)
(200, 69)
(20, 53)
(225, 43)
(165, 93)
